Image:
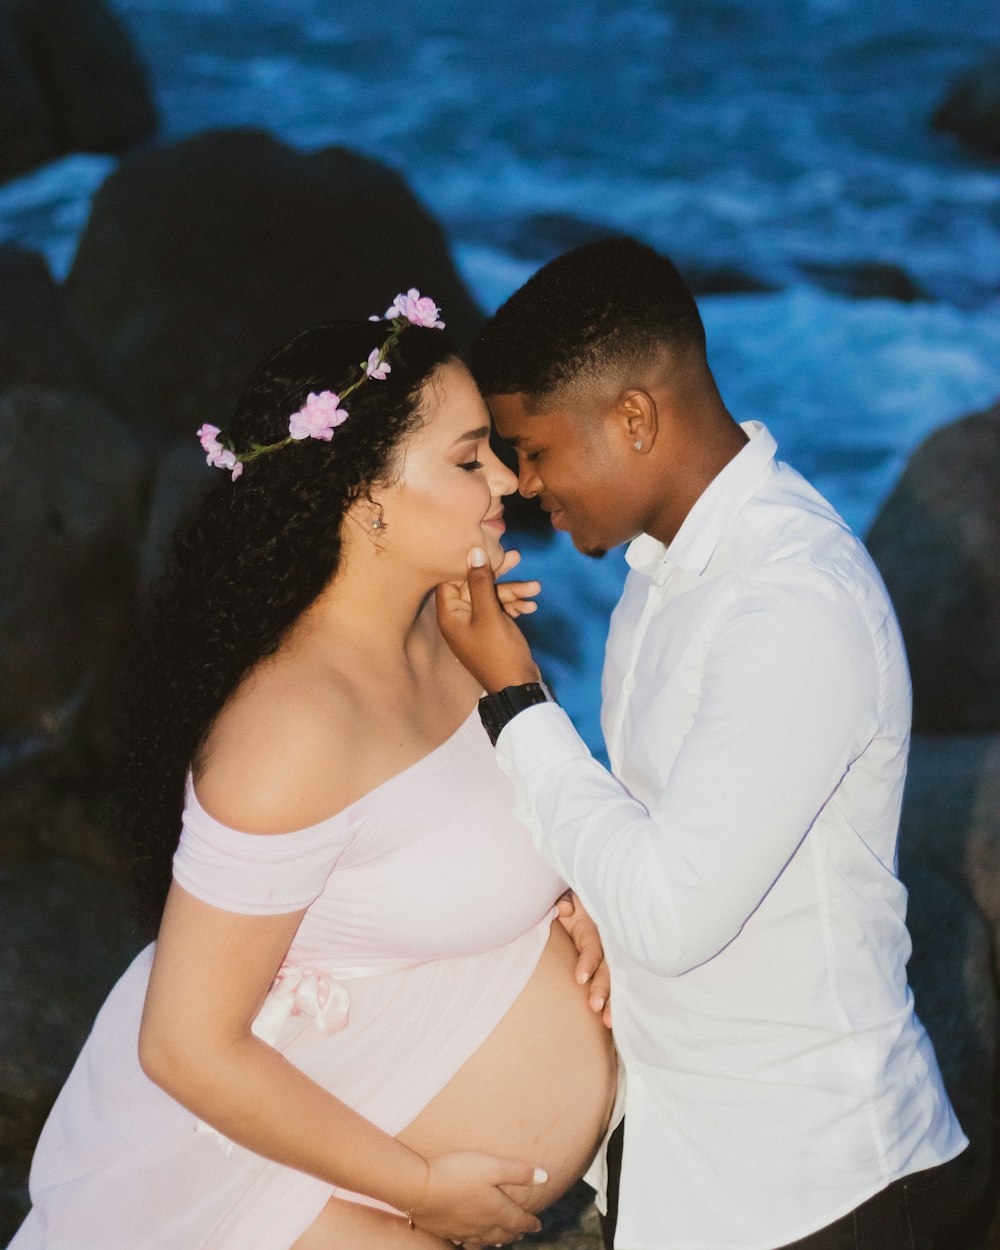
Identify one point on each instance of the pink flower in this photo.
(208, 436)
(419, 309)
(218, 457)
(376, 368)
(318, 417)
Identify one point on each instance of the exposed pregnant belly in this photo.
(540, 1088)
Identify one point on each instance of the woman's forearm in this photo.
(210, 974)
(250, 1093)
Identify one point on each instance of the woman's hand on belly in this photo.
(462, 1200)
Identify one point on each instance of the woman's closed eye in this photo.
(470, 465)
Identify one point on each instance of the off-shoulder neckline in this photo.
(435, 754)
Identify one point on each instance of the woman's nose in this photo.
(502, 480)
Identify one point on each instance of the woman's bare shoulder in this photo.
(282, 755)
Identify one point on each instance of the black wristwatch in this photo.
(495, 710)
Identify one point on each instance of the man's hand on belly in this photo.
(591, 966)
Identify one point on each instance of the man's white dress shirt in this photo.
(741, 865)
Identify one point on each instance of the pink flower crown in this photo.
(320, 415)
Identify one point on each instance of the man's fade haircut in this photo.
(606, 306)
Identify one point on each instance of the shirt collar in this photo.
(702, 528)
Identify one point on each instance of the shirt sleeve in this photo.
(789, 698)
(255, 874)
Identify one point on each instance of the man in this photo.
(740, 857)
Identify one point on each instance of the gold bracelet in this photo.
(420, 1195)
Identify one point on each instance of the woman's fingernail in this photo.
(540, 1176)
(598, 1004)
(477, 557)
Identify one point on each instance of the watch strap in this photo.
(496, 710)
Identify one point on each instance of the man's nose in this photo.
(528, 482)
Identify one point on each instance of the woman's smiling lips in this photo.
(495, 522)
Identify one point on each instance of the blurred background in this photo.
(784, 153)
(182, 182)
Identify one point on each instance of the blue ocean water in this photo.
(770, 137)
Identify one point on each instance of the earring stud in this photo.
(638, 444)
(376, 524)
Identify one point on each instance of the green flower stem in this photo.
(399, 324)
(259, 449)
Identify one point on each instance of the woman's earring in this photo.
(638, 444)
(376, 524)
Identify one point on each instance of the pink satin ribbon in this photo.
(302, 992)
(309, 992)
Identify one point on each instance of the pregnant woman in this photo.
(359, 1025)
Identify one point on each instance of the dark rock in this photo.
(971, 109)
(67, 936)
(180, 477)
(954, 985)
(865, 279)
(70, 81)
(568, 1221)
(949, 857)
(39, 344)
(722, 280)
(202, 255)
(56, 798)
(541, 237)
(69, 482)
(936, 541)
(526, 516)
(951, 815)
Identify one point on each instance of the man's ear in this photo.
(638, 419)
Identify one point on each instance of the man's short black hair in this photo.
(605, 306)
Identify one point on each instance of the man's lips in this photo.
(556, 516)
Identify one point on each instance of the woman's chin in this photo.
(494, 553)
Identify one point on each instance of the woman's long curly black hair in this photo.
(247, 562)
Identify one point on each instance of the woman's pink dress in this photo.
(427, 911)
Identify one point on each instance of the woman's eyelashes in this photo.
(470, 465)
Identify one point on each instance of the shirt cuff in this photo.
(536, 739)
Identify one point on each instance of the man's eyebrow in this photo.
(472, 435)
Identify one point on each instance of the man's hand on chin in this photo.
(477, 620)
